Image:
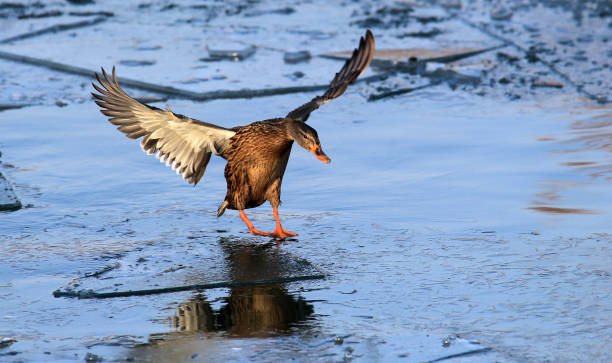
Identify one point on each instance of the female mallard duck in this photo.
(256, 154)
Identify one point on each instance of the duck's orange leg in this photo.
(251, 227)
(280, 232)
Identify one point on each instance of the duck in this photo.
(256, 154)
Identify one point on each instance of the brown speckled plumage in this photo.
(256, 154)
(256, 164)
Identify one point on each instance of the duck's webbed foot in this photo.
(252, 228)
(257, 232)
(280, 232)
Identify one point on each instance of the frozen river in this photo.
(452, 219)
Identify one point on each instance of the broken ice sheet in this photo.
(297, 56)
(236, 52)
(387, 57)
(471, 70)
(8, 199)
(238, 262)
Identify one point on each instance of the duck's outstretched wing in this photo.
(353, 68)
(181, 142)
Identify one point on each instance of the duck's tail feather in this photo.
(222, 208)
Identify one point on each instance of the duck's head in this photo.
(306, 137)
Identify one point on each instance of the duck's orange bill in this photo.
(318, 152)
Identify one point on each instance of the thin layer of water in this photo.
(426, 230)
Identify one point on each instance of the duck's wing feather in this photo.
(181, 142)
(352, 69)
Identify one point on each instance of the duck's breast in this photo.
(256, 165)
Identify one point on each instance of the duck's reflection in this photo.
(248, 311)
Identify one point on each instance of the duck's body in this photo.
(256, 154)
(256, 164)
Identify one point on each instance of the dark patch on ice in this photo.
(137, 63)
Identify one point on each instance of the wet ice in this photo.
(449, 215)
